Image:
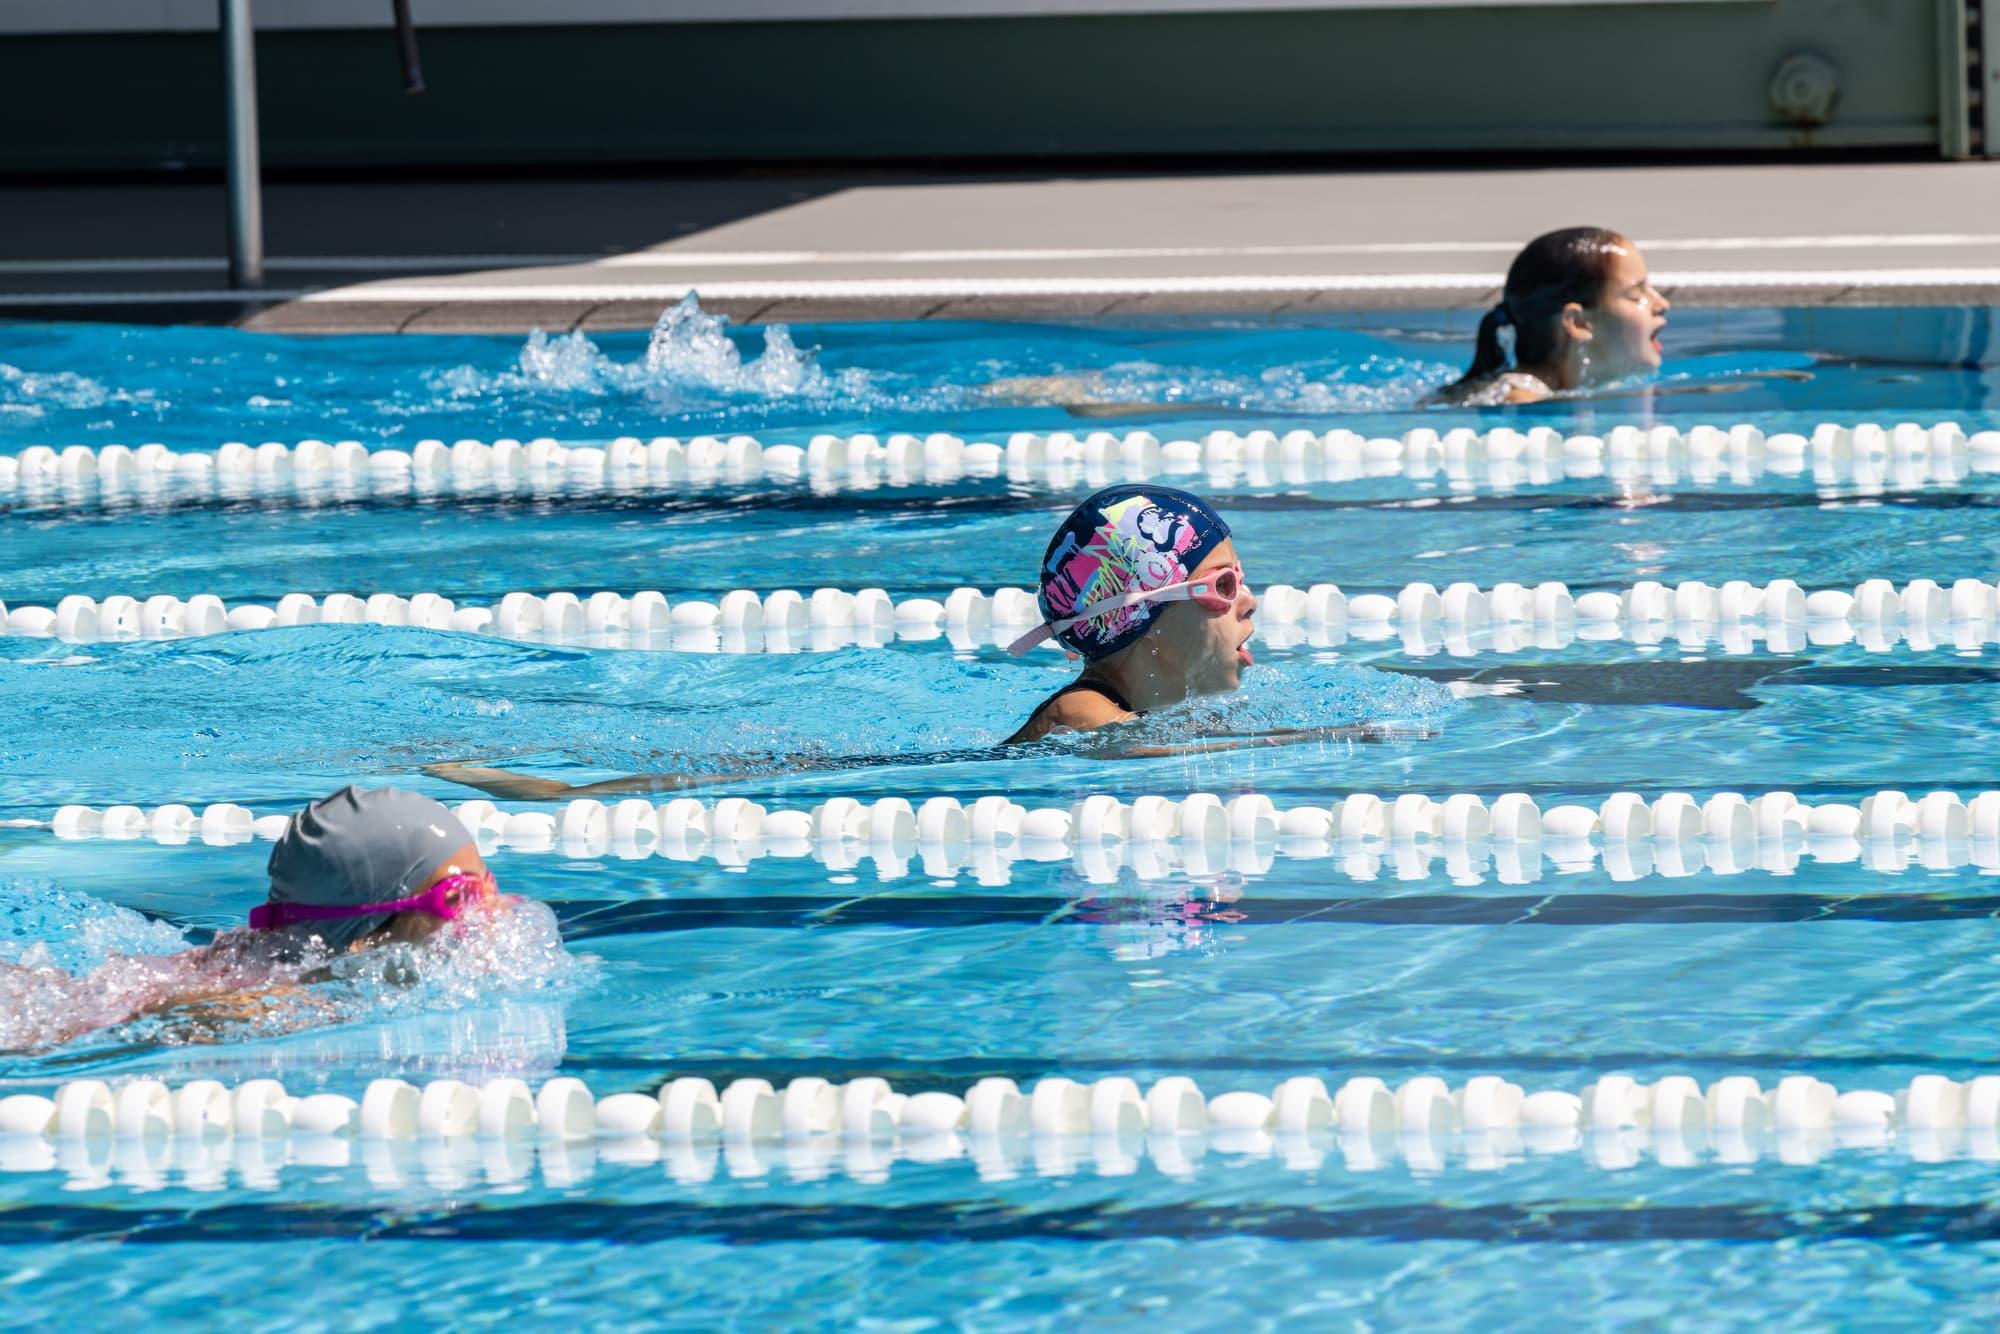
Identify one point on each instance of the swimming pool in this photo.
(1239, 966)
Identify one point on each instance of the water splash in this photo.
(137, 981)
(690, 364)
(27, 395)
(44, 925)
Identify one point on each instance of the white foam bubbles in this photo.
(690, 361)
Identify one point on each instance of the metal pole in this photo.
(406, 42)
(246, 191)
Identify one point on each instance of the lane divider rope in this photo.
(1486, 1121)
(1866, 455)
(1462, 619)
(1674, 834)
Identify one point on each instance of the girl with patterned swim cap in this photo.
(1143, 582)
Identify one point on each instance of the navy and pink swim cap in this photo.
(1126, 538)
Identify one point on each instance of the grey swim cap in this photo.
(360, 845)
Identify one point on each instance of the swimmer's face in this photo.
(1621, 334)
(1202, 649)
(413, 927)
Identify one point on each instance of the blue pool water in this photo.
(1241, 975)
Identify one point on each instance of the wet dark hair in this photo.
(1551, 271)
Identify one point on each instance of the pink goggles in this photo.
(446, 899)
(1215, 593)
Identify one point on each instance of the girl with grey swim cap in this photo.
(371, 864)
(361, 868)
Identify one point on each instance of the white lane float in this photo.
(1507, 838)
(1863, 457)
(132, 1133)
(1464, 620)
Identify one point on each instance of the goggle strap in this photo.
(1181, 592)
(270, 916)
(267, 916)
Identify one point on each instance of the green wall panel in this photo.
(1617, 77)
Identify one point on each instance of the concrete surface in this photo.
(463, 257)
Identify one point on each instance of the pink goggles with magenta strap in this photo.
(1215, 593)
(446, 899)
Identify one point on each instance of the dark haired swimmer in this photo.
(361, 869)
(1585, 316)
(1584, 312)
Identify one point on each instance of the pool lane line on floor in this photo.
(583, 921)
(634, 1224)
(1004, 499)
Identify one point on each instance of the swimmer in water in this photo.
(1144, 583)
(355, 871)
(1584, 313)
(1141, 581)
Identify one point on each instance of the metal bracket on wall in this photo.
(1982, 31)
(1968, 78)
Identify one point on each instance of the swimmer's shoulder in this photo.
(1083, 706)
(1495, 391)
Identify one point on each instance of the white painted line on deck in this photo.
(794, 258)
(947, 288)
(950, 288)
(671, 259)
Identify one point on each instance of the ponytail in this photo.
(1552, 271)
(1489, 356)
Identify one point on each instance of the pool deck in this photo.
(609, 254)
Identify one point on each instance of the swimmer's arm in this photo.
(206, 1014)
(508, 785)
(1171, 411)
(1287, 736)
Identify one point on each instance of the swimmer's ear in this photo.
(1576, 323)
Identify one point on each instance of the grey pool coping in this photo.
(475, 316)
(508, 256)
